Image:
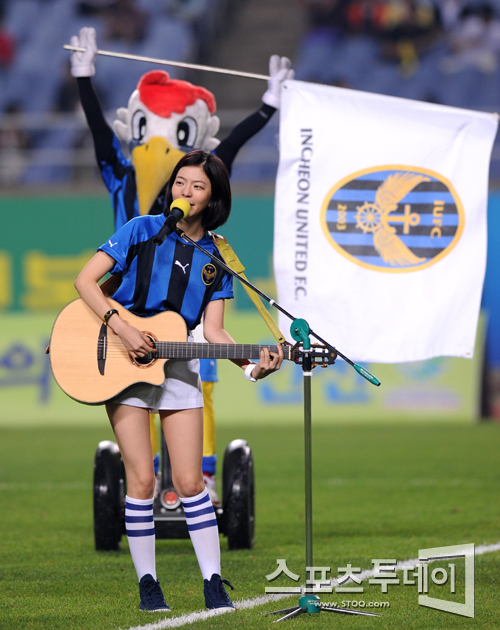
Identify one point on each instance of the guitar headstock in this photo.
(320, 355)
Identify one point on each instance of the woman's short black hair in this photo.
(219, 206)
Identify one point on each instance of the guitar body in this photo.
(77, 342)
(91, 365)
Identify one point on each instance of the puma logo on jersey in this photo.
(111, 244)
(183, 267)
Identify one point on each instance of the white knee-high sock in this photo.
(204, 533)
(141, 535)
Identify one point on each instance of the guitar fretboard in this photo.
(183, 350)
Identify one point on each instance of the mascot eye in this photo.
(138, 125)
(186, 132)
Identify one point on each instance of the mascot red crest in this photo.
(163, 95)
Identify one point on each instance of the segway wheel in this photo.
(109, 497)
(238, 488)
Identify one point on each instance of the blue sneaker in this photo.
(215, 593)
(152, 598)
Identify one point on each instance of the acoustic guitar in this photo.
(91, 365)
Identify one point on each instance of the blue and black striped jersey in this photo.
(174, 276)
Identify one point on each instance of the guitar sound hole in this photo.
(148, 359)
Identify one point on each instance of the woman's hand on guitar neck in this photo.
(268, 363)
(136, 342)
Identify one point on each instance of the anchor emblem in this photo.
(373, 218)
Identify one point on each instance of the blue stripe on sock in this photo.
(193, 527)
(138, 519)
(136, 533)
(207, 510)
(140, 508)
(204, 499)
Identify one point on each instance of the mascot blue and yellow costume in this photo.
(164, 119)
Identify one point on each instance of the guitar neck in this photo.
(183, 350)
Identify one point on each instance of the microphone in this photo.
(179, 209)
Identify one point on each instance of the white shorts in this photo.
(181, 389)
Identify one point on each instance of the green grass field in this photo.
(380, 491)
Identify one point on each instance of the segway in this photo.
(236, 517)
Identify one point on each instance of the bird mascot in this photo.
(164, 119)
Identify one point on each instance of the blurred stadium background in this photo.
(55, 210)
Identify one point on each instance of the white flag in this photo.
(380, 221)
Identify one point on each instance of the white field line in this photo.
(184, 620)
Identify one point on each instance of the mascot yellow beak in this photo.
(153, 162)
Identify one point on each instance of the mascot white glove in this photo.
(82, 63)
(280, 69)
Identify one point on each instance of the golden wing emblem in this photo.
(375, 218)
(395, 188)
(392, 249)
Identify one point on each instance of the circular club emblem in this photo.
(393, 218)
(208, 273)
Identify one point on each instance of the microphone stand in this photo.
(300, 332)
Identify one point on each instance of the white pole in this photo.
(178, 64)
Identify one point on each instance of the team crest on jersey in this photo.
(393, 218)
(208, 273)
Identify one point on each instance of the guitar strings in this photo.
(194, 350)
(185, 350)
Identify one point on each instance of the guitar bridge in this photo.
(102, 345)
